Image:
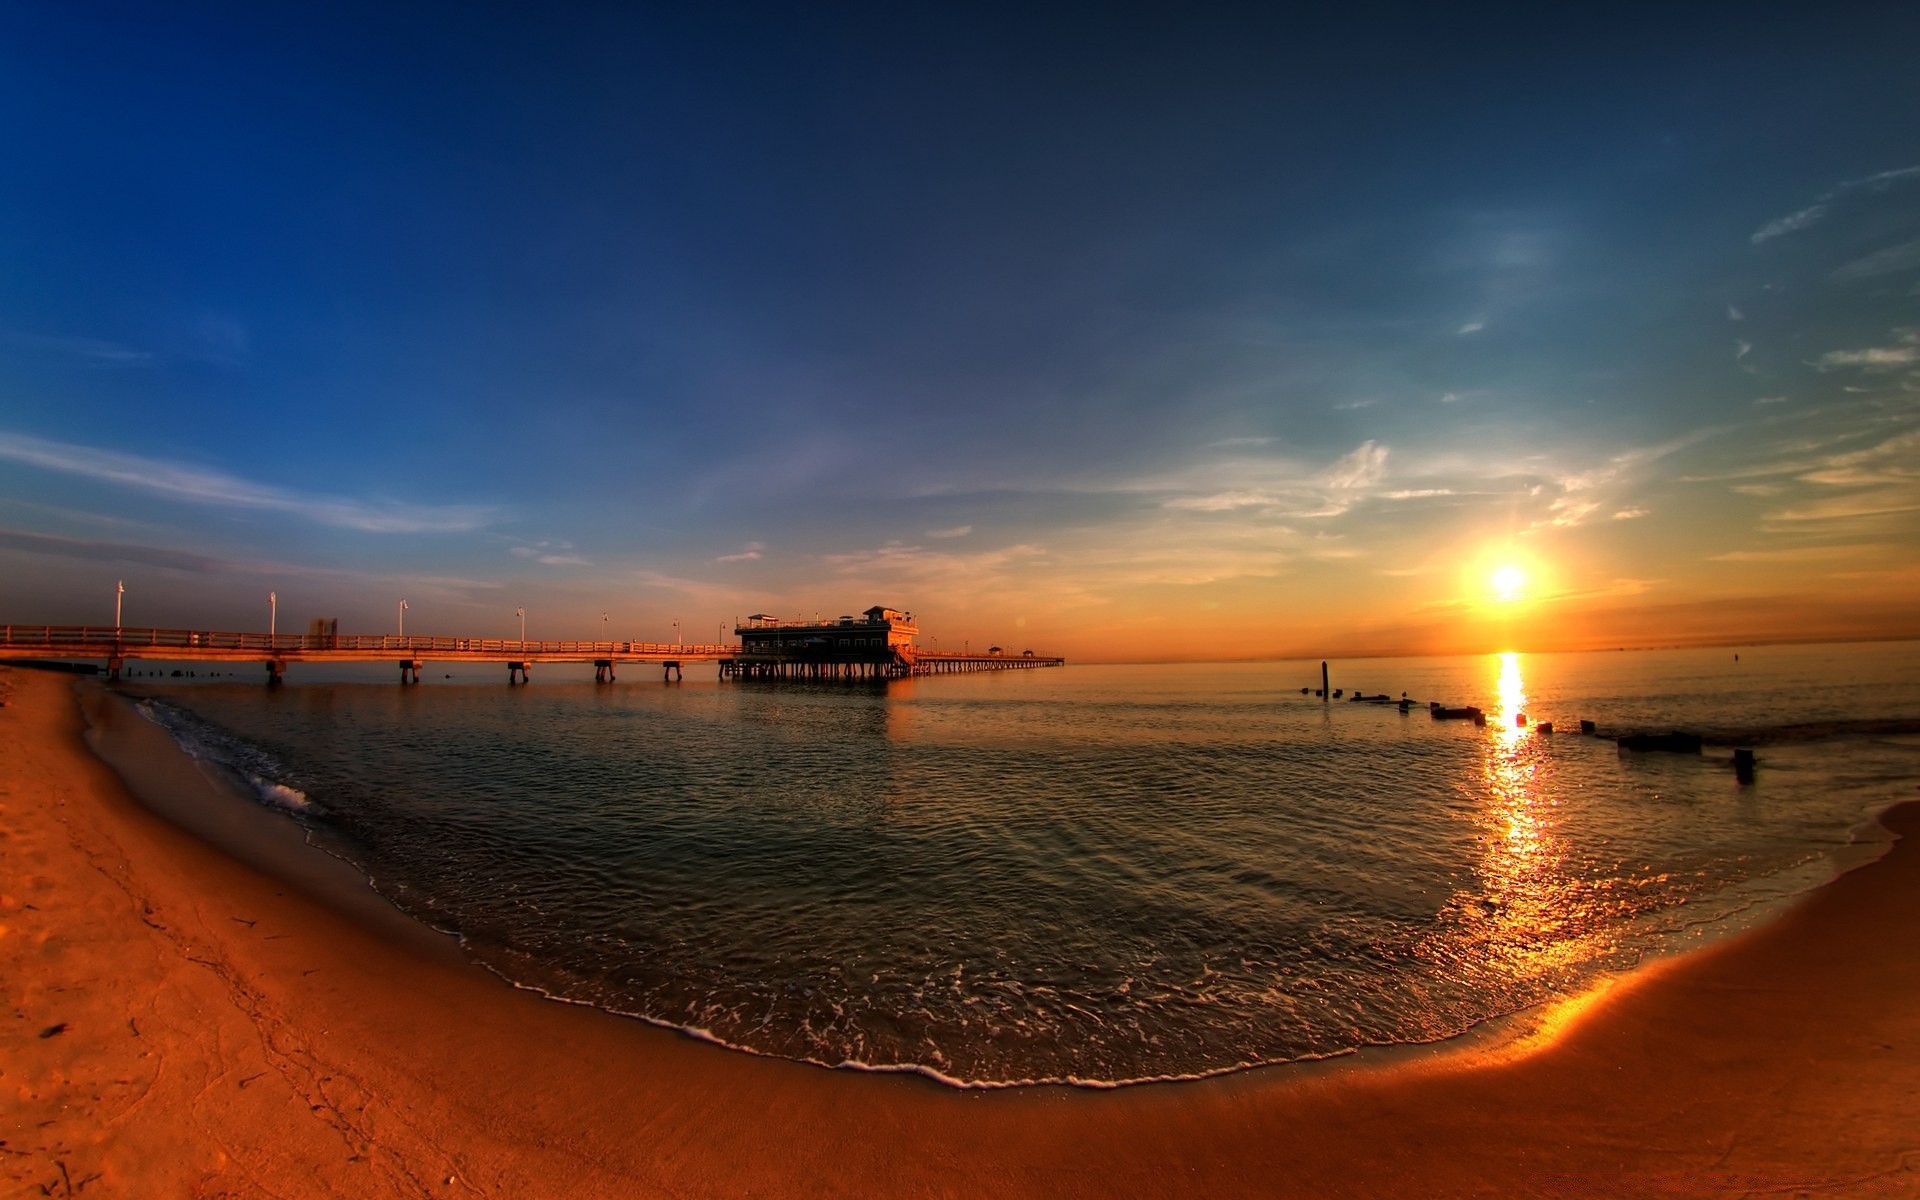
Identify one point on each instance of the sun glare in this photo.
(1509, 582)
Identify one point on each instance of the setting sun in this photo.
(1509, 582)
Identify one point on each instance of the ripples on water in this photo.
(1100, 874)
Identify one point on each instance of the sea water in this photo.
(1097, 874)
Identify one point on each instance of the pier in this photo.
(768, 650)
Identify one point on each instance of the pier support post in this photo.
(113, 668)
(603, 670)
(276, 672)
(409, 671)
(1324, 693)
(517, 673)
(670, 671)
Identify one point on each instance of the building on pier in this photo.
(875, 633)
(878, 644)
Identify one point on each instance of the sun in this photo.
(1509, 582)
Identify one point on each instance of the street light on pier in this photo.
(522, 614)
(273, 615)
(676, 631)
(119, 590)
(603, 627)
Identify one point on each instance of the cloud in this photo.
(1822, 205)
(1584, 493)
(1904, 257)
(1227, 501)
(1761, 401)
(94, 350)
(1799, 554)
(1741, 349)
(1734, 314)
(956, 531)
(94, 551)
(1353, 405)
(201, 485)
(1364, 467)
(748, 553)
(1241, 441)
(1874, 358)
(1629, 514)
(545, 558)
(1791, 223)
(1470, 327)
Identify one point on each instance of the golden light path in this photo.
(1529, 916)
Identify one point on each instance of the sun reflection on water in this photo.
(1524, 916)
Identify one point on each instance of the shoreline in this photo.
(221, 1030)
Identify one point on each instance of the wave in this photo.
(263, 776)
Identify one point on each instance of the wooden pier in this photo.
(117, 646)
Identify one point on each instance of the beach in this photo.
(200, 1005)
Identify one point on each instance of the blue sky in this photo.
(1120, 332)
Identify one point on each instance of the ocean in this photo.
(1095, 875)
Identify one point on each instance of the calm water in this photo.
(1097, 874)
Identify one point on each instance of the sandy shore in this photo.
(179, 1023)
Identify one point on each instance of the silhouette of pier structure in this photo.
(878, 648)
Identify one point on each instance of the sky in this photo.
(1123, 333)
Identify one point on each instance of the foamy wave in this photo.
(279, 795)
(248, 764)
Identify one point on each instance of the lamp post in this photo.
(522, 614)
(401, 627)
(273, 616)
(119, 590)
(676, 631)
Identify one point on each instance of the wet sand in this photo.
(182, 1022)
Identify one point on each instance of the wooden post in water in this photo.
(1325, 695)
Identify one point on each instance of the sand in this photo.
(180, 1022)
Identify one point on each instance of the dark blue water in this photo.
(1097, 874)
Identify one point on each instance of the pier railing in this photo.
(131, 639)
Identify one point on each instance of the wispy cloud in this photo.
(1791, 223)
(1630, 514)
(748, 553)
(1904, 257)
(96, 550)
(95, 350)
(1822, 205)
(1470, 327)
(202, 485)
(1741, 349)
(956, 531)
(1902, 353)
(1584, 493)
(548, 555)
(1364, 467)
(1798, 554)
(1734, 314)
(1763, 401)
(99, 550)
